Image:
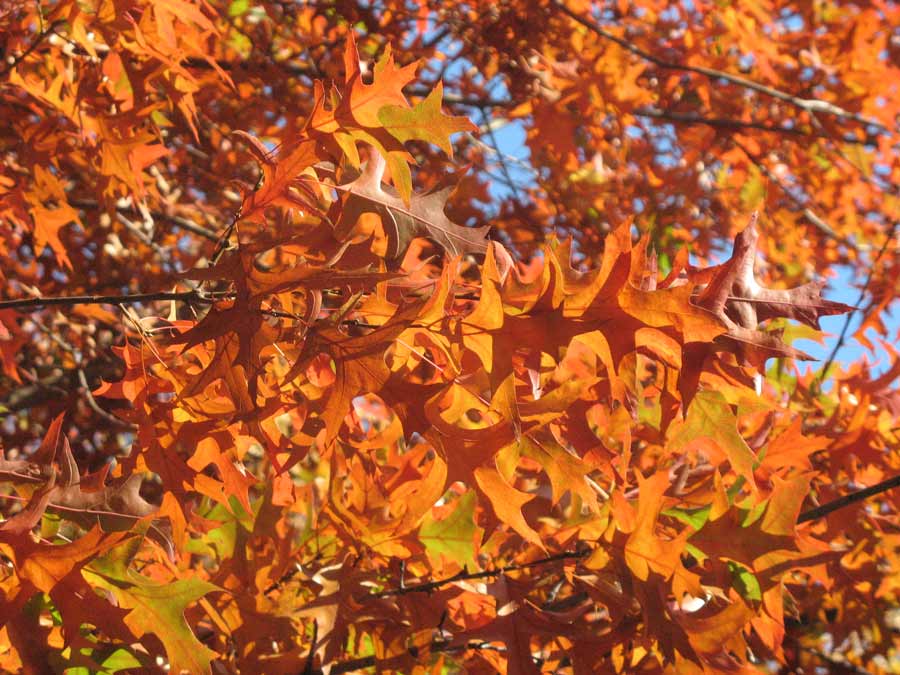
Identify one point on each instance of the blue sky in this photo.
(844, 287)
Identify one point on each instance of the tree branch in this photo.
(56, 385)
(38, 40)
(862, 294)
(127, 299)
(178, 221)
(809, 105)
(727, 123)
(431, 586)
(807, 212)
(394, 663)
(806, 516)
(846, 500)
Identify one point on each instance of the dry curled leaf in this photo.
(423, 217)
(734, 295)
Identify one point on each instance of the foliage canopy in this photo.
(302, 372)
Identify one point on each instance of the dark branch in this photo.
(127, 299)
(809, 105)
(727, 123)
(50, 30)
(807, 212)
(395, 663)
(58, 385)
(862, 294)
(847, 500)
(578, 554)
(178, 221)
(687, 118)
(430, 586)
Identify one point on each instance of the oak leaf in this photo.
(158, 609)
(710, 425)
(424, 122)
(453, 536)
(423, 217)
(735, 296)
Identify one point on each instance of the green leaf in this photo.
(454, 536)
(238, 7)
(696, 518)
(220, 542)
(791, 331)
(745, 582)
(424, 122)
(753, 191)
(822, 161)
(158, 609)
(119, 660)
(709, 418)
(114, 563)
(240, 43)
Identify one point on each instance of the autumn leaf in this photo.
(363, 102)
(507, 502)
(158, 609)
(424, 217)
(453, 536)
(712, 427)
(741, 303)
(280, 170)
(424, 122)
(645, 551)
(272, 399)
(768, 543)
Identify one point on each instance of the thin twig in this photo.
(833, 663)
(126, 299)
(136, 230)
(431, 586)
(500, 157)
(92, 403)
(729, 123)
(308, 668)
(846, 500)
(807, 212)
(394, 663)
(487, 102)
(179, 221)
(51, 29)
(806, 516)
(809, 105)
(862, 294)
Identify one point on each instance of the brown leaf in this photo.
(736, 297)
(424, 217)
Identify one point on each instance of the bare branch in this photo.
(807, 212)
(38, 40)
(728, 123)
(847, 500)
(126, 299)
(431, 586)
(842, 338)
(396, 662)
(178, 221)
(92, 403)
